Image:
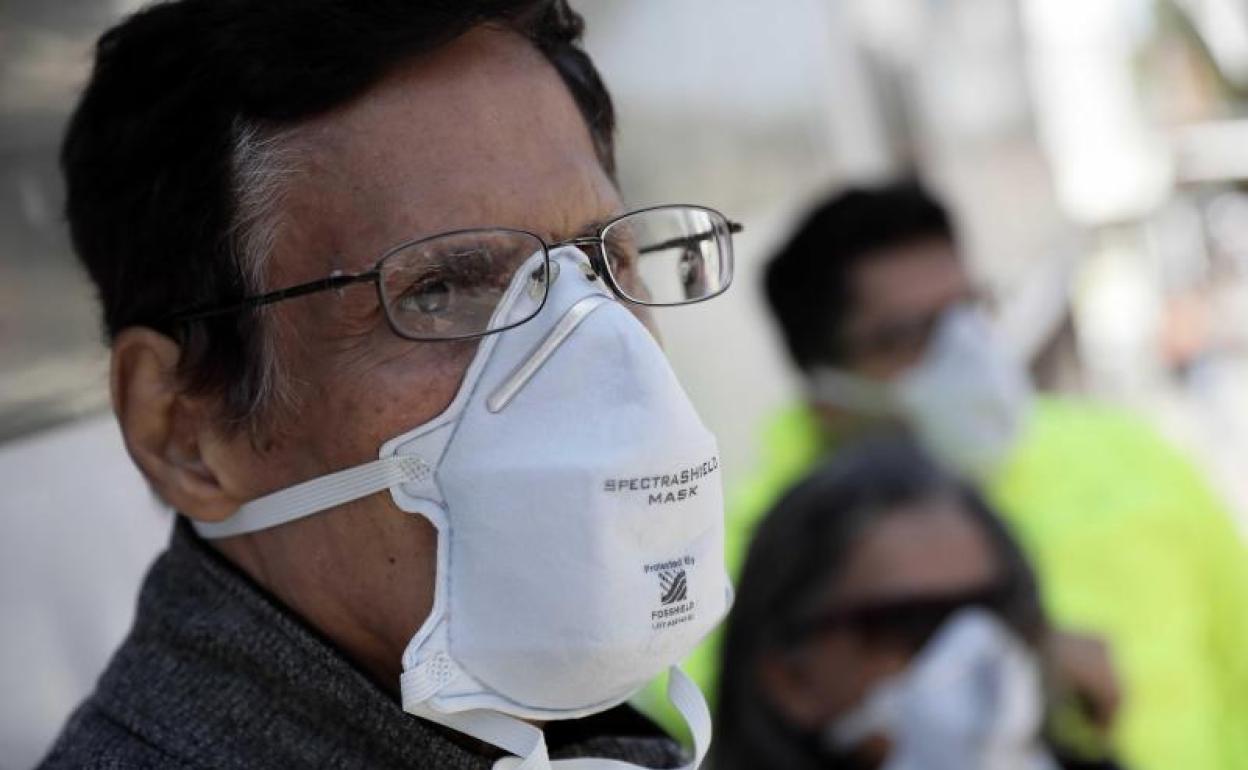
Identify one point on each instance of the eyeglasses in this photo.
(447, 286)
(908, 621)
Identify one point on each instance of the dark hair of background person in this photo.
(799, 550)
(809, 282)
(147, 155)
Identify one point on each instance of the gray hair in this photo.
(263, 162)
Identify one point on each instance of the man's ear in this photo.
(165, 429)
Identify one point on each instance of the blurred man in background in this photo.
(884, 322)
(380, 335)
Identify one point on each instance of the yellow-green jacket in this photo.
(1128, 542)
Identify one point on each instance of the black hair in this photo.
(147, 155)
(800, 548)
(809, 282)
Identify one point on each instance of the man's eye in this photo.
(429, 298)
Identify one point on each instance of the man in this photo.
(379, 336)
(882, 318)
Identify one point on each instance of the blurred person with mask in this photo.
(380, 335)
(885, 619)
(884, 322)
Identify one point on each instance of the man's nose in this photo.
(642, 313)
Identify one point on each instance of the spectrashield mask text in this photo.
(579, 510)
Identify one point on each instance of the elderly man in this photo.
(380, 336)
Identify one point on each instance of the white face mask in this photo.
(579, 511)
(966, 400)
(972, 700)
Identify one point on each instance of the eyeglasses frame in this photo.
(597, 260)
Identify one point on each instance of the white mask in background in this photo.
(577, 499)
(967, 399)
(971, 700)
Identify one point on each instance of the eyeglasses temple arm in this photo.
(325, 284)
(689, 240)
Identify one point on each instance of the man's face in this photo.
(483, 133)
(897, 297)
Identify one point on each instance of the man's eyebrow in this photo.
(595, 226)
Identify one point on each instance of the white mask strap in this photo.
(528, 743)
(317, 495)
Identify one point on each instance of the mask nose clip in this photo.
(546, 348)
(579, 251)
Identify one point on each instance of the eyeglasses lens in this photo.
(449, 286)
(671, 255)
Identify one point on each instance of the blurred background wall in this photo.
(1094, 152)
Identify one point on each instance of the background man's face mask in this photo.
(966, 400)
(971, 700)
(577, 499)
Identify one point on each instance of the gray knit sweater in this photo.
(216, 674)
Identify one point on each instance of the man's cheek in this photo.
(646, 317)
(359, 407)
(377, 412)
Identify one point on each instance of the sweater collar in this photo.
(215, 667)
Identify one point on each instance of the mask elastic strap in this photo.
(849, 391)
(528, 743)
(317, 495)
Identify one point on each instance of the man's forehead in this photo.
(909, 276)
(959, 555)
(481, 133)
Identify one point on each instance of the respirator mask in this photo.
(966, 400)
(578, 503)
(972, 700)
